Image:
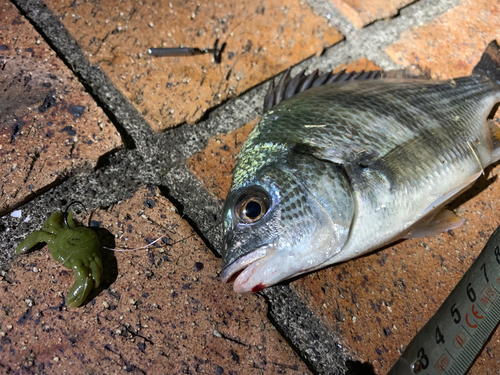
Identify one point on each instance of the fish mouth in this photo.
(235, 269)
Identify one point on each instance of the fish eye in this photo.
(251, 206)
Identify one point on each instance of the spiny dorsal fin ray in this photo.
(288, 87)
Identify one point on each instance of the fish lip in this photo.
(244, 261)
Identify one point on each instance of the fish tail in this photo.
(489, 65)
(495, 131)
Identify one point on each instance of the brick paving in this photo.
(452, 44)
(263, 39)
(51, 127)
(164, 309)
(364, 12)
(214, 165)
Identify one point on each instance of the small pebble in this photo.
(16, 214)
(105, 304)
(217, 333)
(198, 266)
(56, 359)
(35, 270)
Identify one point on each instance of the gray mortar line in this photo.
(153, 148)
(319, 347)
(372, 40)
(169, 149)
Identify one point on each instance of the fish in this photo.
(342, 165)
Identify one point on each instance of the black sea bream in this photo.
(341, 169)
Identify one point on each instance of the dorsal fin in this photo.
(288, 87)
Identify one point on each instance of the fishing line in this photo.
(137, 248)
(477, 159)
(66, 211)
(160, 238)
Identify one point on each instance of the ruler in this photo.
(456, 334)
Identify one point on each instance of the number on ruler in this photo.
(455, 314)
(439, 336)
(422, 357)
(470, 293)
(483, 267)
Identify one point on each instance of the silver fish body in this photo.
(342, 169)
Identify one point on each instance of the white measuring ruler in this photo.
(455, 335)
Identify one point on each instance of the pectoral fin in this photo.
(452, 194)
(445, 220)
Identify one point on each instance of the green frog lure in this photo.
(73, 245)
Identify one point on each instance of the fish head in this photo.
(284, 222)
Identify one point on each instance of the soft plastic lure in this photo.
(74, 246)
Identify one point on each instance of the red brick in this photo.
(357, 66)
(364, 12)
(41, 144)
(214, 165)
(165, 311)
(452, 44)
(263, 39)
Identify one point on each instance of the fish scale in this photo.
(373, 161)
